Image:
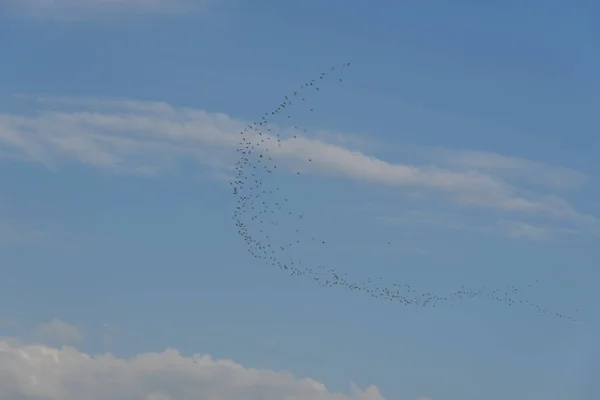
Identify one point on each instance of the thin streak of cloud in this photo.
(511, 167)
(14, 235)
(124, 135)
(523, 230)
(88, 9)
(506, 228)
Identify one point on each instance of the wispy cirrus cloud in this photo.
(77, 9)
(128, 136)
(511, 167)
(17, 235)
(449, 221)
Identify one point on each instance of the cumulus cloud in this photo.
(39, 372)
(145, 137)
(60, 331)
(74, 9)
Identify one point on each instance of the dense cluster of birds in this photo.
(262, 206)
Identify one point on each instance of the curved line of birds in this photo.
(260, 208)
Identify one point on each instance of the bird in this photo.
(258, 216)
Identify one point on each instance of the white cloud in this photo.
(60, 331)
(143, 137)
(524, 230)
(13, 235)
(508, 228)
(76, 9)
(39, 372)
(511, 167)
(18, 233)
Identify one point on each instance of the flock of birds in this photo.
(262, 206)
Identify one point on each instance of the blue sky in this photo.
(464, 134)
